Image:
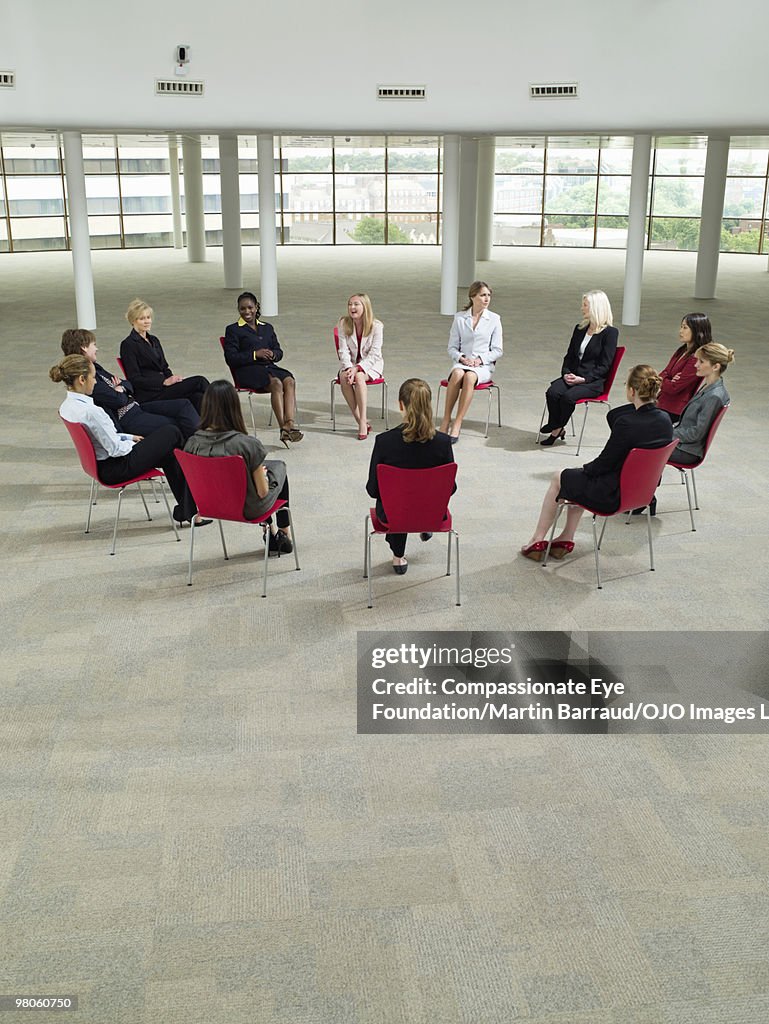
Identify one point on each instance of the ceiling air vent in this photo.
(554, 91)
(7, 79)
(175, 87)
(401, 92)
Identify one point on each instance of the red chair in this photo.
(120, 366)
(85, 451)
(250, 392)
(685, 469)
(218, 485)
(369, 383)
(488, 386)
(416, 501)
(638, 481)
(603, 398)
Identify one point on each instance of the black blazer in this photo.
(145, 365)
(597, 358)
(645, 427)
(391, 450)
(105, 396)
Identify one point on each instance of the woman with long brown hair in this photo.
(679, 378)
(223, 432)
(415, 444)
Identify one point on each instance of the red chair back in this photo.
(336, 339)
(218, 484)
(713, 428)
(611, 374)
(119, 362)
(416, 500)
(640, 475)
(83, 446)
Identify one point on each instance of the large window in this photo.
(566, 191)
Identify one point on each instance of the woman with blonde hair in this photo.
(639, 424)
(145, 363)
(360, 353)
(121, 456)
(585, 366)
(475, 344)
(415, 444)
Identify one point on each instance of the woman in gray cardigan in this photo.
(702, 408)
(223, 432)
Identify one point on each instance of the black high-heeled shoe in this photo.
(652, 508)
(549, 441)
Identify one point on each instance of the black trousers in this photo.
(192, 388)
(561, 399)
(685, 458)
(157, 450)
(281, 515)
(149, 417)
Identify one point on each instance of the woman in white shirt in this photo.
(475, 344)
(120, 456)
(360, 353)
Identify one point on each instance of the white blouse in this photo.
(107, 442)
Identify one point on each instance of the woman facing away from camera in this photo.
(679, 378)
(585, 366)
(252, 352)
(122, 456)
(223, 432)
(415, 444)
(360, 353)
(475, 344)
(639, 424)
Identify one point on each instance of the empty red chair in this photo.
(218, 485)
(89, 462)
(416, 501)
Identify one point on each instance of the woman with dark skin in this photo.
(252, 352)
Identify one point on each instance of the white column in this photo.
(485, 212)
(78, 231)
(636, 230)
(468, 206)
(176, 201)
(711, 217)
(193, 199)
(268, 254)
(450, 226)
(228, 173)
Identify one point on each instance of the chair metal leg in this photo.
(224, 546)
(596, 550)
(385, 406)
(368, 561)
(266, 560)
(117, 517)
(438, 401)
(561, 507)
(694, 487)
(168, 510)
(499, 405)
(251, 407)
(365, 548)
(154, 492)
(488, 414)
(333, 411)
(600, 538)
(689, 499)
(141, 495)
(456, 541)
(448, 554)
(584, 421)
(91, 503)
(541, 421)
(649, 534)
(293, 537)
(192, 545)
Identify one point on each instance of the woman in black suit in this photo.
(252, 352)
(637, 425)
(145, 363)
(415, 444)
(585, 365)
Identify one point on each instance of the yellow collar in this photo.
(242, 322)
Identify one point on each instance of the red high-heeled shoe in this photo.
(559, 548)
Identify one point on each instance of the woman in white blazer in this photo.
(360, 353)
(475, 344)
